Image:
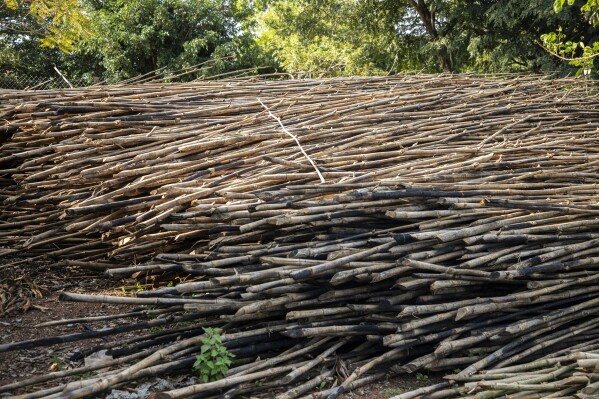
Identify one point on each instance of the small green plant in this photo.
(457, 371)
(421, 377)
(322, 384)
(132, 290)
(214, 359)
(393, 391)
(84, 376)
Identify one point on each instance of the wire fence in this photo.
(14, 81)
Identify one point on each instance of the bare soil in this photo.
(32, 293)
(394, 385)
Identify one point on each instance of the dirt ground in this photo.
(31, 292)
(34, 289)
(20, 327)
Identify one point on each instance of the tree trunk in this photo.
(428, 20)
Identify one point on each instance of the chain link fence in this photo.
(14, 81)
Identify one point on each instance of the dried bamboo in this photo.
(407, 222)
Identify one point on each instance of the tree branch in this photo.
(566, 58)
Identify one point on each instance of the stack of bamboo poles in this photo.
(334, 229)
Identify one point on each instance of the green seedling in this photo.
(214, 359)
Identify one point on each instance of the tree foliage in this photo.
(376, 36)
(496, 36)
(57, 23)
(579, 51)
(139, 36)
(314, 36)
(340, 37)
(37, 35)
(118, 39)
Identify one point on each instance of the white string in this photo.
(295, 138)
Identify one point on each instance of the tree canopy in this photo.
(139, 36)
(56, 23)
(580, 53)
(117, 39)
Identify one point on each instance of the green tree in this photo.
(125, 38)
(57, 23)
(487, 35)
(340, 37)
(376, 36)
(503, 35)
(139, 36)
(119, 39)
(28, 48)
(579, 51)
(314, 36)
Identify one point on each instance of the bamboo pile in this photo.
(334, 229)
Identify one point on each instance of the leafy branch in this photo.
(576, 53)
(62, 23)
